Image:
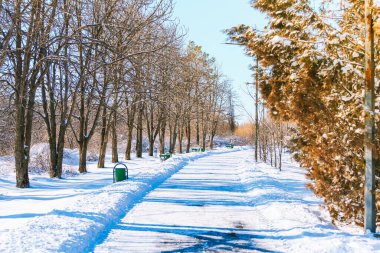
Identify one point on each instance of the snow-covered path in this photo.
(201, 206)
(223, 203)
(216, 201)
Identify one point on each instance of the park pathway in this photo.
(201, 208)
(226, 203)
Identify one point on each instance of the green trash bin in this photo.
(120, 174)
(165, 156)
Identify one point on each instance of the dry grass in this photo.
(245, 130)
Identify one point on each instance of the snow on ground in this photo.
(227, 203)
(215, 201)
(68, 215)
(291, 218)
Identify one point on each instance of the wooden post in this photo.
(369, 191)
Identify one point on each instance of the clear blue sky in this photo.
(205, 21)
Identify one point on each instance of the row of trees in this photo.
(313, 58)
(272, 139)
(82, 68)
(268, 135)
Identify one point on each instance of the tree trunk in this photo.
(265, 150)
(180, 139)
(115, 156)
(49, 109)
(56, 155)
(103, 139)
(188, 136)
(212, 141)
(139, 132)
(152, 129)
(173, 143)
(204, 141)
(139, 144)
(102, 154)
(151, 147)
(60, 153)
(129, 143)
(149, 129)
(23, 141)
(204, 136)
(82, 156)
(162, 138)
(21, 151)
(173, 138)
(281, 147)
(131, 120)
(53, 157)
(198, 137)
(139, 141)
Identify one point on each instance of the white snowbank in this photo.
(41, 150)
(6, 165)
(69, 215)
(39, 161)
(292, 218)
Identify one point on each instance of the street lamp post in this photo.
(257, 109)
(369, 191)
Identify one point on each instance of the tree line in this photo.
(77, 68)
(312, 56)
(268, 135)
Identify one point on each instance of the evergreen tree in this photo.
(314, 77)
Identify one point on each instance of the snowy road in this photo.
(226, 203)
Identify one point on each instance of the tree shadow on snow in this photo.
(219, 239)
(206, 238)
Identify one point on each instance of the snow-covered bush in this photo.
(7, 165)
(39, 158)
(92, 156)
(70, 157)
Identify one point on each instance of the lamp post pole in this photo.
(257, 109)
(369, 191)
